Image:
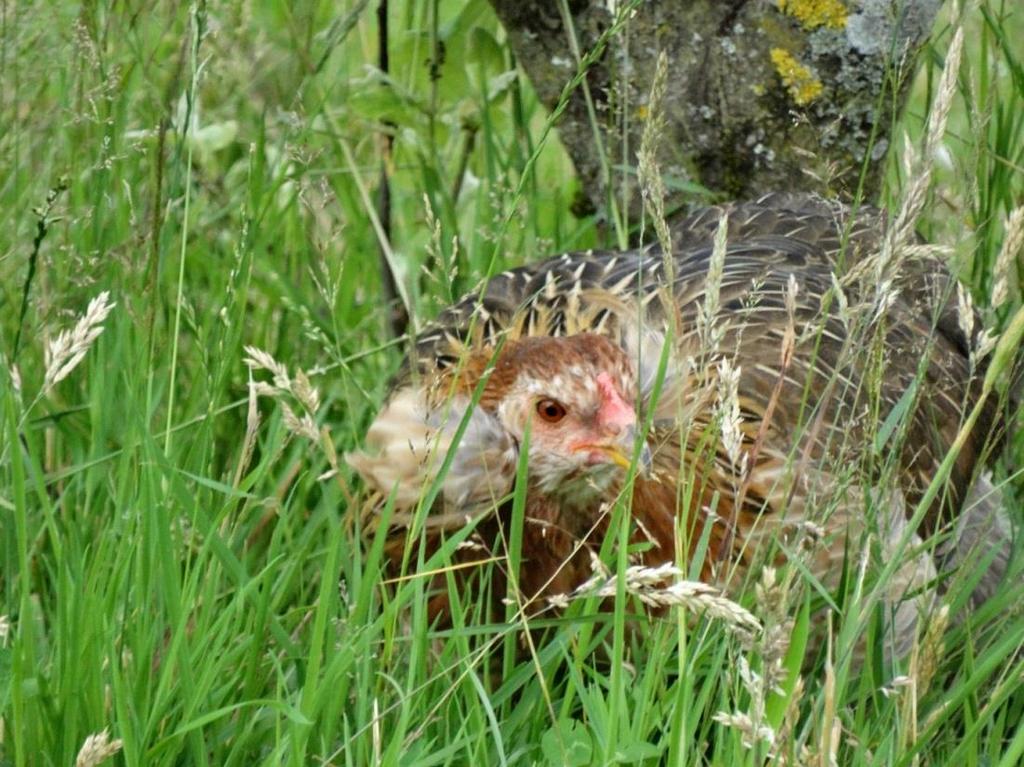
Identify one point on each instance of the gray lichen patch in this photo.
(879, 24)
(760, 96)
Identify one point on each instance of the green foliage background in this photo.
(216, 169)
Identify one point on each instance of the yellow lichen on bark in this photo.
(816, 13)
(800, 82)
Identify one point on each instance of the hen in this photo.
(791, 379)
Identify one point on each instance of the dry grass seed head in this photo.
(1013, 242)
(751, 731)
(96, 749)
(965, 311)
(302, 426)
(839, 296)
(652, 186)
(709, 331)
(64, 352)
(772, 595)
(729, 410)
(902, 230)
(784, 736)
(305, 393)
(252, 426)
(983, 346)
(15, 375)
(297, 387)
(258, 359)
(664, 586)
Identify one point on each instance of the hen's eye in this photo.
(551, 410)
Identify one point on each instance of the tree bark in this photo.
(795, 95)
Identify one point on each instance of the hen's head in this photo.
(575, 398)
(571, 399)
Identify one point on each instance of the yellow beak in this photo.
(617, 455)
(614, 453)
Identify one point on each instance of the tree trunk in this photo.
(795, 95)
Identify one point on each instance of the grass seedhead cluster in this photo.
(1007, 274)
(287, 390)
(665, 586)
(97, 749)
(64, 352)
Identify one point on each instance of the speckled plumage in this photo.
(867, 366)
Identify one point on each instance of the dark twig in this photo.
(398, 317)
(43, 222)
(156, 223)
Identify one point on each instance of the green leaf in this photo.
(896, 416)
(568, 744)
(636, 752)
(484, 51)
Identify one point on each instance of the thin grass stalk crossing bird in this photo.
(780, 375)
